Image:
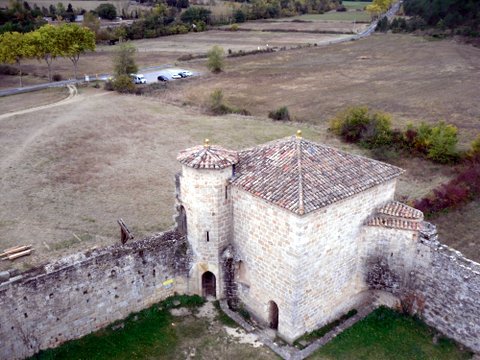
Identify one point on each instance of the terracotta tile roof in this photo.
(208, 157)
(398, 209)
(397, 216)
(303, 176)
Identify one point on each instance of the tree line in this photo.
(447, 14)
(46, 43)
(164, 17)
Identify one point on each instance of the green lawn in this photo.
(355, 4)
(386, 334)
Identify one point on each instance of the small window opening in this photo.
(226, 192)
(208, 236)
(233, 170)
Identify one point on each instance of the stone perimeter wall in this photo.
(427, 278)
(82, 293)
(445, 290)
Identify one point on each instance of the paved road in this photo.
(151, 73)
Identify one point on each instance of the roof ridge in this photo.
(301, 207)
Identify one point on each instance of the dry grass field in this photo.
(410, 77)
(67, 173)
(166, 50)
(286, 24)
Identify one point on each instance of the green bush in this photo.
(215, 61)
(442, 143)
(422, 138)
(475, 147)
(280, 114)
(123, 84)
(359, 125)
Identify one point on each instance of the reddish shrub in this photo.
(456, 192)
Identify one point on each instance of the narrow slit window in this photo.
(208, 236)
(226, 192)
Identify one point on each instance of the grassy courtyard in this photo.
(386, 334)
(184, 327)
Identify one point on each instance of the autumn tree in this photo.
(14, 47)
(378, 7)
(45, 43)
(73, 41)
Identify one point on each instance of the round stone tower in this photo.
(204, 205)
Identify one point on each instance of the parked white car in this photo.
(176, 76)
(185, 73)
(138, 78)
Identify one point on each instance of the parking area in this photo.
(168, 74)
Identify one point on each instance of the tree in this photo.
(14, 47)
(70, 14)
(75, 40)
(193, 14)
(215, 61)
(61, 10)
(106, 11)
(45, 42)
(239, 16)
(90, 20)
(378, 6)
(124, 60)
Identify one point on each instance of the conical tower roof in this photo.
(207, 157)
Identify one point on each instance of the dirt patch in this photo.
(207, 311)
(204, 338)
(180, 312)
(242, 337)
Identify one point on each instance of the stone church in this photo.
(287, 229)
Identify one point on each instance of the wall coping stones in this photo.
(168, 239)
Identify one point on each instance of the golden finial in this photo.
(299, 134)
(206, 143)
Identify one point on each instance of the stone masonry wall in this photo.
(428, 278)
(307, 264)
(329, 283)
(266, 243)
(84, 292)
(445, 289)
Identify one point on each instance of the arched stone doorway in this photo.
(272, 315)
(209, 286)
